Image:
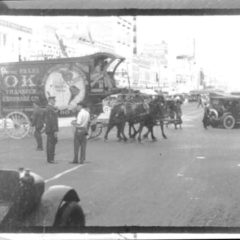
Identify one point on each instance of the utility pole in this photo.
(61, 45)
(19, 49)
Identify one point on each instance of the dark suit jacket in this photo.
(37, 118)
(51, 119)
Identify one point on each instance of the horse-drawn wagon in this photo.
(71, 80)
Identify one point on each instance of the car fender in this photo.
(213, 111)
(224, 115)
(50, 203)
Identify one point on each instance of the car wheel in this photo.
(229, 122)
(70, 215)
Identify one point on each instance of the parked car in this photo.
(24, 202)
(225, 110)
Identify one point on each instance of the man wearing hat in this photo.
(81, 129)
(37, 121)
(51, 128)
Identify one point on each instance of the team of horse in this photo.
(143, 113)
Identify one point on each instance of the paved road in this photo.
(190, 179)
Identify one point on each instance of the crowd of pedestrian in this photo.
(46, 121)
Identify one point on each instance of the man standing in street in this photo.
(51, 128)
(81, 130)
(37, 120)
(206, 117)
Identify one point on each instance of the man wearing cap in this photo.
(80, 136)
(51, 128)
(37, 121)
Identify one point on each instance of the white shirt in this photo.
(83, 118)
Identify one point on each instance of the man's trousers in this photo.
(51, 143)
(80, 141)
(38, 137)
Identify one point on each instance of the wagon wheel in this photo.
(70, 215)
(17, 125)
(229, 122)
(95, 130)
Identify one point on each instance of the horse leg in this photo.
(110, 126)
(180, 119)
(150, 128)
(135, 131)
(140, 132)
(123, 133)
(175, 122)
(130, 130)
(162, 129)
(146, 134)
(119, 132)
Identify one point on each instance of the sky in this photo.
(217, 39)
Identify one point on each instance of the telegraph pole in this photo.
(19, 49)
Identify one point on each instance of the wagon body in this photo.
(71, 80)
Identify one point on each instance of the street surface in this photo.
(190, 179)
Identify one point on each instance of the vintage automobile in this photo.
(193, 96)
(24, 202)
(224, 110)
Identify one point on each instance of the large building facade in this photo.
(155, 65)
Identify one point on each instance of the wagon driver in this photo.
(81, 125)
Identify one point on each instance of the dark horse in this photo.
(117, 119)
(140, 113)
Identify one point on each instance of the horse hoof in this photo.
(154, 140)
(165, 137)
